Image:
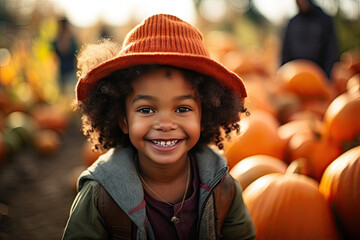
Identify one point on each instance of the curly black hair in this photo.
(105, 105)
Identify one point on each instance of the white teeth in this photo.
(165, 144)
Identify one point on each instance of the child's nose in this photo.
(165, 123)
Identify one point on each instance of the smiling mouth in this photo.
(162, 143)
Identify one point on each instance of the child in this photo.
(156, 103)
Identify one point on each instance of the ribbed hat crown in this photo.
(164, 33)
(165, 40)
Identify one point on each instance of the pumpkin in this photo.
(247, 63)
(351, 58)
(340, 184)
(88, 155)
(304, 78)
(46, 142)
(299, 166)
(53, 117)
(251, 168)
(306, 115)
(258, 135)
(289, 206)
(353, 85)
(342, 118)
(306, 123)
(259, 95)
(315, 106)
(287, 105)
(319, 152)
(340, 75)
(9, 105)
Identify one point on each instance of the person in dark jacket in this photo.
(311, 35)
(65, 47)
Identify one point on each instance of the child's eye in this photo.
(145, 110)
(183, 109)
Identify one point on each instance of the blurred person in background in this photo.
(66, 47)
(311, 35)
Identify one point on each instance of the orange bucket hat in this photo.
(166, 40)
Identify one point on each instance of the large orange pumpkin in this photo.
(258, 135)
(340, 185)
(304, 78)
(289, 206)
(305, 125)
(342, 118)
(251, 168)
(318, 152)
(309, 123)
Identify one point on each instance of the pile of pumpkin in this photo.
(297, 156)
(32, 113)
(39, 127)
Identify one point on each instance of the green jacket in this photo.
(116, 172)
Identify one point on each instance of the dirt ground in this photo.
(36, 191)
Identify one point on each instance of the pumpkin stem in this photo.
(299, 166)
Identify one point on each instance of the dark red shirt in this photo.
(160, 213)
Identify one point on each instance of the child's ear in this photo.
(124, 126)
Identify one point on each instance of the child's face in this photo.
(163, 116)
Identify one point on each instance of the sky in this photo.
(84, 13)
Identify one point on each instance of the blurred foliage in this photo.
(348, 33)
(28, 36)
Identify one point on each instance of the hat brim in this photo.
(200, 64)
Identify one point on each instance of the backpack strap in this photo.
(224, 195)
(118, 223)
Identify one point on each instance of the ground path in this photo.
(35, 193)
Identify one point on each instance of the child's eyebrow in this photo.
(184, 97)
(143, 97)
(151, 98)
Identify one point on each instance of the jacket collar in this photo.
(116, 172)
